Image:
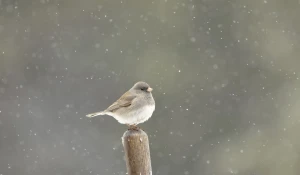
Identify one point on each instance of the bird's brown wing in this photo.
(124, 101)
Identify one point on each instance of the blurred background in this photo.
(225, 75)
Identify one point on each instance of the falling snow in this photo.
(225, 79)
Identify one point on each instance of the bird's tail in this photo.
(95, 114)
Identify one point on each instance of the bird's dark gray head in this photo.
(140, 87)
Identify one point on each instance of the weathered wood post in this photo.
(137, 152)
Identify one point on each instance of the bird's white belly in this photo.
(136, 117)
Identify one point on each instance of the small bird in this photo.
(134, 107)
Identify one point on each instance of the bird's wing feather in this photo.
(124, 101)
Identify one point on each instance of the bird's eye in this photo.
(143, 88)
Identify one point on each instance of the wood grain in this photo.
(137, 152)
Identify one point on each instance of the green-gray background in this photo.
(225, 75)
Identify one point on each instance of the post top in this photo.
(134, 133)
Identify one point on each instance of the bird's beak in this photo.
(149, 89)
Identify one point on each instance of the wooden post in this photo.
(137, 152)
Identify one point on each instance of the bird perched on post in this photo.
(134, 107)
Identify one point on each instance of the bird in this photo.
(134, 107)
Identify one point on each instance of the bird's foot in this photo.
(133, 127)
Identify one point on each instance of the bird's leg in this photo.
(133, 127)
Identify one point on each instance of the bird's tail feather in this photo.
(95, 114)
